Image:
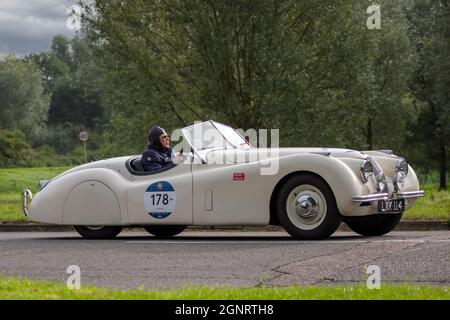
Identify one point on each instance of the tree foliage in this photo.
(23, 104)
(311, 69)
(68, 70)
(13, 147)
(429, 29)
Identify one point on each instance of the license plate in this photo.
(396, 205)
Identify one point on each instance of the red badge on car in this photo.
(239, 176)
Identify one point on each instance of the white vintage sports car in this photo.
(308, 191)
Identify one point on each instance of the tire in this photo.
(316, 215)
(164, 231)
(374, 225)
(100, 232)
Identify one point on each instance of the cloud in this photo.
(29, 25)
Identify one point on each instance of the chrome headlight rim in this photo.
(366, 170)
(382, 185)
(399, 181)
(401, 167)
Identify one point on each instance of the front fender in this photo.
(339, 175)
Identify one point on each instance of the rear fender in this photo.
(94, 196)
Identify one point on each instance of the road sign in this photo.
(83, 136)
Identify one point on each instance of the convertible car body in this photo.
(308, 191)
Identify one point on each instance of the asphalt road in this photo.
(227, 258)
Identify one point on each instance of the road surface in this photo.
(230, 258)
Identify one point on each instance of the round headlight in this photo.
(401, 167)
(366, 170)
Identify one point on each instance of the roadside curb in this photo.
(423, 225)
(32, 227)
(406, 225)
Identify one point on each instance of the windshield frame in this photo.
(227, 141)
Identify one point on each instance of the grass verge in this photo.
(13, 181)
(434, 205)
(20, 289)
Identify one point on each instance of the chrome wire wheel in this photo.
(306, 207)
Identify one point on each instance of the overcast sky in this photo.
(29, 25)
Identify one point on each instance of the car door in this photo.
(162, 198)
(230, 194)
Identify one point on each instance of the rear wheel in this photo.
(374, 225)
(164, 231)
(98, 232)
(307, 208)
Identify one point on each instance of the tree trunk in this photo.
(369, 134)
(442, 165)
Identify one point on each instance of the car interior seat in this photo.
(136, 164)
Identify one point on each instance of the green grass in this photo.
(13, 181)
(14, 288)
(435, 204)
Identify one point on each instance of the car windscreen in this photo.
(205, 135)
(232, 137)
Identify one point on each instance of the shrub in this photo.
(13, 147)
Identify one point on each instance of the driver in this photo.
(158, 153)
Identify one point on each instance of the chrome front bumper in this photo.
(410, 194)
(385, 196)
(27, 196)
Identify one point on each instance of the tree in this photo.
(313, 70)
(381, 86)
(429, 30)
(70, 77)
(23, 104)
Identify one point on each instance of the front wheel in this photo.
(374, 225)
(307, 208)
(164, 231)
(98, 232)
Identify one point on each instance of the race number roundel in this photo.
(160, 199)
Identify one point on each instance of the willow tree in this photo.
(295, 65)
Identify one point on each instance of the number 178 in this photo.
(156, 199)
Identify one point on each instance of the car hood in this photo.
(334, 152)
(283, 152)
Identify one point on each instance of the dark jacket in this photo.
(154, 159)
